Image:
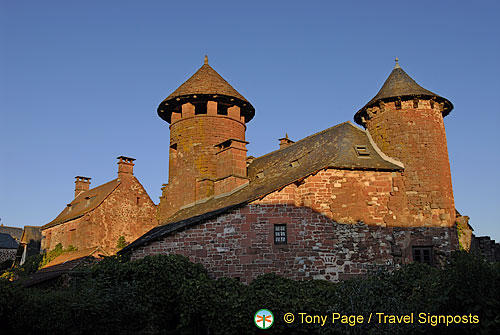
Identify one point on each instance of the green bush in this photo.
(170, 295)
(57, 251)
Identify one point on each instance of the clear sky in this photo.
(81, 81)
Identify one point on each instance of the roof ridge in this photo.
(299, 141)
(65, 218)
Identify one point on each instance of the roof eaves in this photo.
(170, 228)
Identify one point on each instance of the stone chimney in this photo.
(125, 167)
(285, 142)
(82, 184)
(231, 166)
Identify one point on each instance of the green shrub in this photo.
(170, 295)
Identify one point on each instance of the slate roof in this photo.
(400, 85)
(84, 203)
(205, 82)
(32, 238)
(77, 254)
(53, 272)
(31, 233)
(7, 242)
(330, 148)
(15, 232)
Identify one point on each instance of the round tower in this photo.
(204, 112)
(406, 122)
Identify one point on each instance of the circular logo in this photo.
(263, 318)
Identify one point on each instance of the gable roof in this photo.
(7, 242)
(205, 82)
(330, 148)
(15, 232)
(400, 85)
(84, 203)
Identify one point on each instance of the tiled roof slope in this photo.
(61, 265)
(399, 85)
(333, 147)
(84, 203)
(206, 81)
(31, 233)
(72, 255)
(7, 242)
(15, 232)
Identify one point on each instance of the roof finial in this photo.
(286, 136)
(206, 59)
(397, 64)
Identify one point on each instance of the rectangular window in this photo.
(280, 234)
(362, 151)
(423, 255)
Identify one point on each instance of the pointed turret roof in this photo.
(206, 82)
(400, 85)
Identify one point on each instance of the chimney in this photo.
(231, 165)
(125, 167)
(82, 184)
(285, 142)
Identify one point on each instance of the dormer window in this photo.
(362, 151)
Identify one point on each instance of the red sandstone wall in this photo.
(195, 159)
(120, 214)
(240, 244)
(416, 136)
(347, 196)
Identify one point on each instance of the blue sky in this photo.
(81, 81)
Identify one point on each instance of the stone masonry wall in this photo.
(127, 211)
(240, 244)
(347, 196)
(192, 157)
(414, 134)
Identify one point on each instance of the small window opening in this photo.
(362, 150)
(222, 109)
(280, 234)
(423, 255)
(397, 103)
(295, 163)
(260, 175)
(89, 199)
(200, 108)
(138, 201)
(415, 103)
(224, 145)
(173, 147)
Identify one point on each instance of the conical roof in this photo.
(205, 83)
(400, 85)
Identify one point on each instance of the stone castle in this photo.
(336, 204)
